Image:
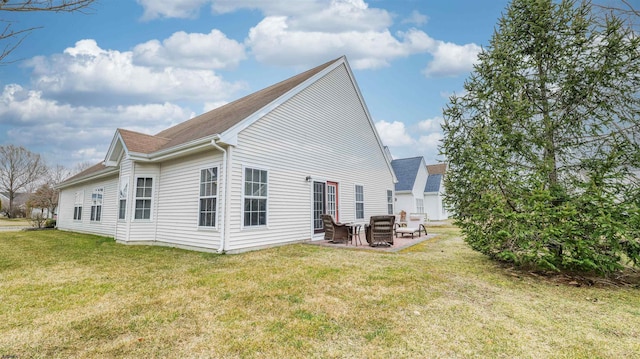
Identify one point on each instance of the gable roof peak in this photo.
(225, 117)
(406, 170)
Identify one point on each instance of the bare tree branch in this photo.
(14, 38)
(45, 5)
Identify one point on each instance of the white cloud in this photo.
(96, 76)
(416, 18)
(450, 59)
(195, 50)
(82, 131)
(393, 133)
(431, 124)
(430, 141)
(303, 33)
(171, 8)
(342, 16)
(271, 7)
(271, 41)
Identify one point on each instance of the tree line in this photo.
(25, 172)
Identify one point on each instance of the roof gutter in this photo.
(103, 173)
(173, 152)
(226, 163)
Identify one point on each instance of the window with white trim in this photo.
(77, 207)
(122, 198)
(96, 204)
(419, 205)
(255, 197)
(144, 191)
(389, 201)
(208, 197)
(359, 202)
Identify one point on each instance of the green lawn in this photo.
(72, 295)
(13, 222)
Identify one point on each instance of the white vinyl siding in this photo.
(255, 197)
(312, 134)
(81, 194)
(125, 182)
(208, 197)
(178, 212)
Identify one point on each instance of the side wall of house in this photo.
(420, 183)
(143, 230)
(179, 201)
(322, 132)
(405, 202)
(434, 205)
(107, 223)
(127, 186)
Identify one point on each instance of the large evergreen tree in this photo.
(543, 146)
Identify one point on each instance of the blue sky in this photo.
(146, 65)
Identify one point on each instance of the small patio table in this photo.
(354, 233)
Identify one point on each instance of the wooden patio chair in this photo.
(379, 232)
(334, 232)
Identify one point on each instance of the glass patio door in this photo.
(332, 200)
(325, 201)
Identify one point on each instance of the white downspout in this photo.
(223, 205)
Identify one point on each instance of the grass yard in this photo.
(65, 295)
(13, 222)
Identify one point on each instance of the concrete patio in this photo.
(399, 243)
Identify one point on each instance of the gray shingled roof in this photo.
(406, 170)
(433, 183)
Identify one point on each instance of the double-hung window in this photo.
(208, 197)
(96, 204)
(255, 197)
(389, 201)
(419, 205)
(359, 201)
(77, 207)
(144, 192)
(122, 198)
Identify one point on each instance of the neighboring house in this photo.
(4, 202)
(257, 172)
(19, 202)
(420, 187)
(412, 175)
(434, 192)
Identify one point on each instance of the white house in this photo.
(434, 192)
(412, 176)
(420, 187)
(254, 173)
